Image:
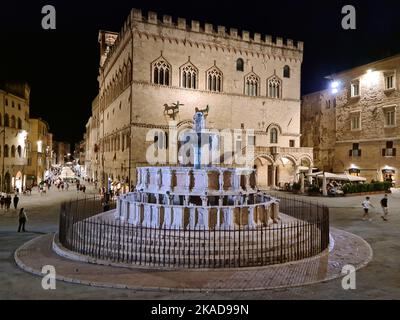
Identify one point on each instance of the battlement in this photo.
(136, 15)
(207, 28)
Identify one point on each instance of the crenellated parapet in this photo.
(223, 37)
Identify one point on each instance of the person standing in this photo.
(366, 204)
(22, 220)
(15, 201)
(2, 202)
(384, 205)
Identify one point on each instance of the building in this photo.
(61, 152)
(14, 123)
(354, 126)
(91, 143)
(247, 82)
(39, 151)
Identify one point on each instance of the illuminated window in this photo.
(355, 88)
(274, 88)
(214, 79)
(251, 83)
(389, 81)
(161, 72)
(390, 116)
(273, 135)
(189, 76)
(355, 120)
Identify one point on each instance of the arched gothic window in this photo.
(19, 151)
(12, 151)
(161, 72)
(239, 64)
(19, 123)
(273, 134)
(189, 76)
(6, 151)
(214, 79)
(286, 72)
(251, 85)
(274, 87)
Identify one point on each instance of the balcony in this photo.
(390, 152)
(284, 150)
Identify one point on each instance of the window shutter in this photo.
(350, 153)
(359, 152)
(383, 152)
(394, 152)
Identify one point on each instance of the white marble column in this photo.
(167, 217)
(221, 180)
(202, 221)
(155, 216)
(177, 214)
(192, 218)
(228, 218)
(147, 215)
(251, 224)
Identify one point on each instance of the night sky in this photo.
(61, 65)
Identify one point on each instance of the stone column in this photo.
(296, 173)
(155, 216)
(177, 218)
(218, 222)
(228, 218)
(302, 182)
(147, 215)
(247, 181)
(202, 222)
(221, 180)
(192, 218)
(310, 172)
(167, 217)
(324, 190)
(252, 224)
(187, 181)
(273, 178)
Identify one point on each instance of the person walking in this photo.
(366, 204)
(8, 202)
(22, 220)
(384, 205)
(15, 201)
(2, 202)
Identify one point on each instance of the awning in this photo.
(334, 176)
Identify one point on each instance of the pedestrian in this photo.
(366, 204)
(84, 188)
(384, 205)
(8, 202)
(15, 201)
(22, 220)
(2, 202)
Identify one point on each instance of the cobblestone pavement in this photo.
(348, 249)
(380, 279)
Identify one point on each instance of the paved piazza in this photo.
(378, 280)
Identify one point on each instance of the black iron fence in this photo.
(303, 233)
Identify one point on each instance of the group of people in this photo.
(366, 205)
(5, 204)
(6, 200)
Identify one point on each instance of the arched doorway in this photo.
(264, 172)
(286, 173)
(18, 181)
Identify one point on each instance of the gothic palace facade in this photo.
(248, 82)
